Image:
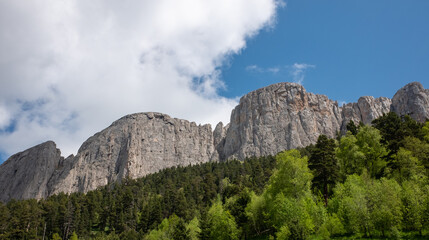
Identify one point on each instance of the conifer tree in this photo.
(324, 165)
(179, 231)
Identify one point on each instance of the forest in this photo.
(371, 183)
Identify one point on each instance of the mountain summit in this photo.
(266, 121)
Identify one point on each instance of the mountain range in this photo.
(266, 121)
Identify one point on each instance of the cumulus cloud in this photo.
(70, 68)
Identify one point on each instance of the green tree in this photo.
(419, 149)
(237, 204)
(292, 177)
(395, 129)
(4, 221)
(180, 232)
(414, 196)
(56, 236)
(194, 229)
(288, 197)
(204, 226)
(164, 230)
(408, 166)
(222, 223)
(368, 206)
(283, 233)
(350, 204)
(74, 236)
(425, 131)
(352, 128)
(385, 206)
(350, 158)
(256, 212)
(363, 151)
(369, 142)
(324, 166)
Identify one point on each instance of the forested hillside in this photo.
(370, 183)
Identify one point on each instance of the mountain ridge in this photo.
(266, 121)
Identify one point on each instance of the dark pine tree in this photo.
(204, 226)
(324, 165)
(352, 127)
(179, 231)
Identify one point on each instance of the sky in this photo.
(68, 69)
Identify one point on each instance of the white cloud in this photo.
(70, 68)
(4, 117)
(297, 70)
(257, 69)
(254, 68)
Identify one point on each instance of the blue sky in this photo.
(356, 48)
(69, 69)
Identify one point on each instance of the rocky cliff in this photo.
(134, 146)
(412, 100)
(266, 121)
(285, 116)
(26, 174)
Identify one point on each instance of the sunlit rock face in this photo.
(134, 146)
(412, 100)
(277, 117)
(266, 121)
(285, 116)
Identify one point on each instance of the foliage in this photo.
(395, 129)
(324, 166)
(377, 181)
(363, 151)
(194, 229)
(415, 196)
(368, 206)
(352, 128)
(56, 236)
(222, 223)
(291, 177)
(288, 197)
(350, 204)
(74, 236)
(256, 211)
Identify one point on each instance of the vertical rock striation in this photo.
(26, 174)
(133, 147)
(277, 117)
(266, 121)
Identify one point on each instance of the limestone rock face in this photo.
(412, 100)
(219, 135)
(134, 146)
(266, 121)
(365, 110)
(26, 174)
(278, 117)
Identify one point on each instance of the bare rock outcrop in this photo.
(365, 110)
(277, 117)
(133, 147)
(413, 100)
(266, 121)
(26, 174)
